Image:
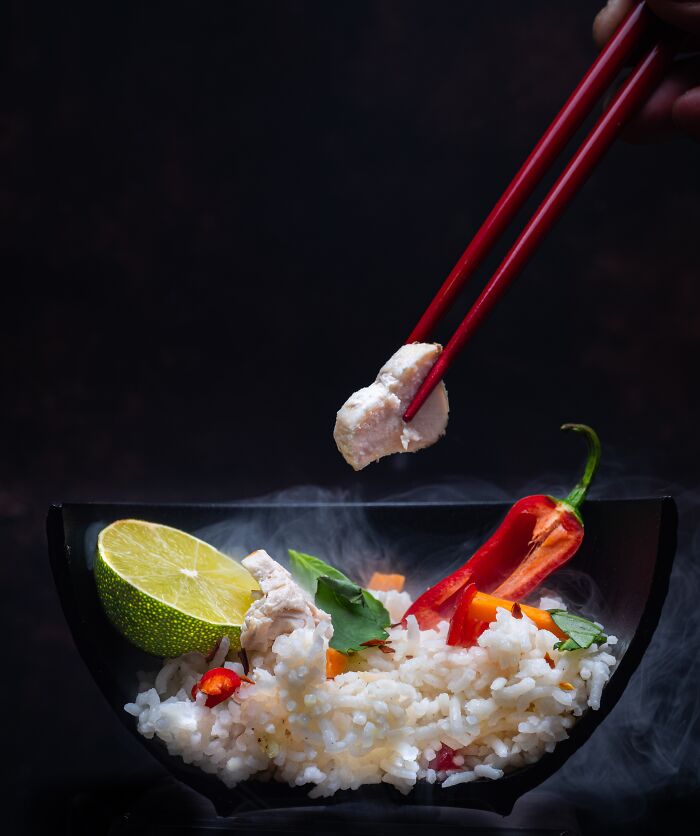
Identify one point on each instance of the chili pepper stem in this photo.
(578, 494)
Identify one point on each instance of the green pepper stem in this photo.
(578, 494)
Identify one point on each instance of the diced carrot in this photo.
(336, 663)
(383, 583)
(483, 608)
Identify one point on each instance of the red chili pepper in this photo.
(218, 684)
(464, 630)
(557, 532)
(444, 759)
(438, 603)
(538, 535)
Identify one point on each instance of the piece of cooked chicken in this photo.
(283, 608)
(370, 423)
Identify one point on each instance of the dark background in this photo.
(219, 219)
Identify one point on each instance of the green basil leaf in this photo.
(377, 608)
(569, 644)
(345, 589)
(356, 615)
(581, 632)
(308, 569)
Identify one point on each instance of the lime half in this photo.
(168, 592)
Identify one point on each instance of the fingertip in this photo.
(683, 14)
(654, 122)
(600, 28)
(686, 113)
(608, 19)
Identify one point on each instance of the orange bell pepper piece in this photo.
(483, 608)
(383, 583)
(336, 663)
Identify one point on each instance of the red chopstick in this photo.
(569, 119)
(624, 104)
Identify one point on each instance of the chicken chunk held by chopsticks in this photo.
(370, 423)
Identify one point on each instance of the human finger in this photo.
(673, 106)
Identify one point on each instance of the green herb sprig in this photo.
(581, 632)
(357, 616)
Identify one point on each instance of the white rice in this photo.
(498, 704)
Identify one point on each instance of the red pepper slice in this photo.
(218, 684)
(444, 759)
(464, 630)
(538, 535)
(438, 603)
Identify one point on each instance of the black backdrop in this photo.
(218, 219)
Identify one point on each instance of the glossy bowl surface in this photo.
(620, 576)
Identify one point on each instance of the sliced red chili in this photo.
(538, 535)
(438, 603)
(444, 759)
(501, 554)
(555, 539)
(218, 684)
(464, 629)
(558, 530)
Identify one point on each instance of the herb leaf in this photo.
(581, 632)
(344, 588)
(357, 616)
(308, 569)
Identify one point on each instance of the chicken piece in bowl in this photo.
(283, 608)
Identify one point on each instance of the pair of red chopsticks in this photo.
(630, 34)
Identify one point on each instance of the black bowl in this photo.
(622, 571)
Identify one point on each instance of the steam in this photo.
(300, 518)
(649, 744)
